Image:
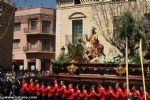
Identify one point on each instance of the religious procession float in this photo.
(85, 60)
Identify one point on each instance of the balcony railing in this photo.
(33, 32)
(28, 49)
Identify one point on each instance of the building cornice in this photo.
(92, 4)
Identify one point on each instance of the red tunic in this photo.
(25, 88)
(32, 89)
(148, 96)
(84, 95)
(124, 94)
(142, 96)
(56, 90)
(109, 95)
(50, 91)
(136, 93)
(38, 90)
(44, 91)
(102, 93)
(62, 91)
(77, 94)
(70, 94)
(93, 95)
(118, 94)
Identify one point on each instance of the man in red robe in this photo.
(109, 93)
(125, 92)
(50, 91)
(38, 90)
(62, 90)
(142, 94)
(84, 95)
(118, 92)
(101, 92)
(135, 93)
(77, 93)
(56, 90)
(70, 92)
(25, 89)
(32, 87)
(44, 91)
(93, 95)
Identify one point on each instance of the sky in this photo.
(34, 3)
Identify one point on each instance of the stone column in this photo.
(25, 64)
(38, 64)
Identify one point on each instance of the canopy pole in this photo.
(143, 76)
(127, 73)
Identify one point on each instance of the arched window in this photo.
(77, 25)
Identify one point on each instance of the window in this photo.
(17, 26)
(32, 44)
(77, 30)
(33, 24)
(77, 1)
(46, 25)
(46, 44)
(16, 43)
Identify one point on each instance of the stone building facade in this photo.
(34, 38)
(75, 18)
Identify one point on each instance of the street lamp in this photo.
(63, 50)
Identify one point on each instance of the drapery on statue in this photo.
(93, 47)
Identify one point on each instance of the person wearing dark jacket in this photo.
(7, 87)
(1, 87)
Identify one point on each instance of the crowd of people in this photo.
(47, 91)
(12, 84)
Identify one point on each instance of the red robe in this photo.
(136, 93)
(62, 91)
(56, 90)
(38, 90)
(77, 94)
(124, 94)
(93, 95)
(32, 89)
(109, 95)
(70, 94)
(50, 91)
(84, 95)
(24, 89)
(142, 96)
(118, 94)
(148, 96)
(102, 93)
(44, 91)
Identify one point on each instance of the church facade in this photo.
(75, 18)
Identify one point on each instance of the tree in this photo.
(122, 19)
(132, 28)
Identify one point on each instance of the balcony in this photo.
(27, 31)
(28, 49)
